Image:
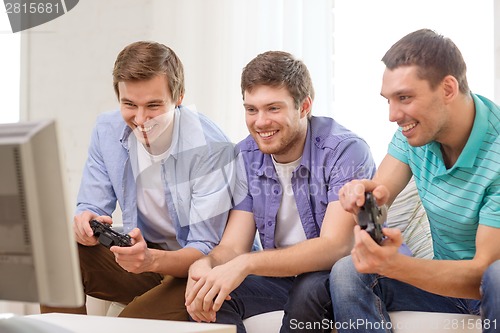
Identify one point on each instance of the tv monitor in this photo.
(38, 253)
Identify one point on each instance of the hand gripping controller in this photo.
(372, 217)
(109, 237)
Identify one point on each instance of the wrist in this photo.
(154, 265)
(393, 266)
(246, 263)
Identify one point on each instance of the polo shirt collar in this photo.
(476, 137)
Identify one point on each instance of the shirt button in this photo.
(270, 223)
(276, 191)
(317, 139)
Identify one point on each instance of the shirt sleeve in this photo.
(211, 197)
(351, 159)
(490, 212)
(96, 192)
(398, 147)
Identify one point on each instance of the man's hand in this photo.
(369, 257)
(211, 290)
(198, 272)
(352, 194)
(81, 226)
(136, 258)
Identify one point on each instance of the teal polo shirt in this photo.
(458, 199)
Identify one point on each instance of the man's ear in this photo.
(450, 88)
(306, 107)
(179, 100)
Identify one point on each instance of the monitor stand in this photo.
(20, 324)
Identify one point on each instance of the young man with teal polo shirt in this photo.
(448, 141)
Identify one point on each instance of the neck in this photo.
(462, 114)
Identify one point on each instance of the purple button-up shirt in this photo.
(332, 156)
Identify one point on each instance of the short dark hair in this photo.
(435, 56)
(278, 69)
(144, 60)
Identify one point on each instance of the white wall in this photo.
(10, 46)
(365, 30)
(66, 68)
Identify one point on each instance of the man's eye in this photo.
(154, 106)
(274, 108)
(250, 110)
(403, 98)
(129, 105)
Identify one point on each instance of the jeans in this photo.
(303, 298)
(361, 302)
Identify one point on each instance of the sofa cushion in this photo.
(408, 215)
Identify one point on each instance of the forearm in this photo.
(220, 255)
(174, 263)
(311, 255)
(454, 278)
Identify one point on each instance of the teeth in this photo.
(267, 134)
(408, 127)
(145, 129)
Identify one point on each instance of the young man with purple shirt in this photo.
(295, 165)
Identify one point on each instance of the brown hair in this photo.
(278, 69)
(144, 60)
(435, 55)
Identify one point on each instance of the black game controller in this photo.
(372, 217)
(109, 237)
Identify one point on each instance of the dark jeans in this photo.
(304, 299)
(366, 299)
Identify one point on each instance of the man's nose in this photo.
(262, 119)
(140, 116)
(395, 113)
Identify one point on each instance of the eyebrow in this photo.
(401, 92)
(267, 104)
(154, 101)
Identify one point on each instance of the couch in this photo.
(407, 214)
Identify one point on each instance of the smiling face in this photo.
(276, 125)
(419, 111)
(147, 108)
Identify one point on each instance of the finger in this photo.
(208, 316)
(357, 230)
(208, 300)
(194, 317)
(80, 222)
(221, 297)
(105, 219)
(202, 316)
(86, 229)
(393, 235)
(381, 194)
(368, 242)
(194, 291)
(136, 233)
